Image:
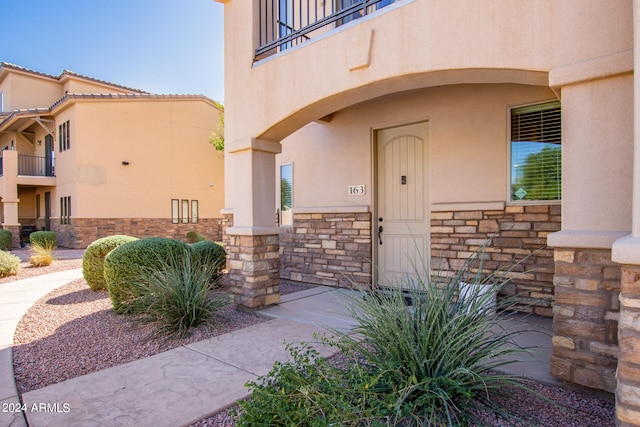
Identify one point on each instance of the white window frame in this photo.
(509, 160)
(285, 219)
(175, 211)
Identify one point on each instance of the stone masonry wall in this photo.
(628, 390)
(253, 269)
(331, 249)
(82, 231)
(585, 317)
(518, 234)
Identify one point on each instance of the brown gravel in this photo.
(72, 331)
(543, 406)
(27, 270)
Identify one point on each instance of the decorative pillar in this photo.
(626, 251)
(253, 240)
(10, 195)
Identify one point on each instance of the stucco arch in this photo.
(321, 109)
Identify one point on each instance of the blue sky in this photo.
(161, 46)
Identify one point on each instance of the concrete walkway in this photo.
(15, 299)
(189, 383)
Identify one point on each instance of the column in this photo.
(626, 251)
(10, 195)
(253, 240)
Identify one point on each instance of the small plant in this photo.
(5, 240)
(93, 259)
(177, 295)
(194, 236)
(9, 264)
(43, 238)
(309, 390)
(420, 355)
(123, 267)
(41, 253)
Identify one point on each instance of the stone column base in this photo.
(15, 234)
(585, 317)
(254, 269)
(628, 389)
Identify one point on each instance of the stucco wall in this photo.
(597, 137)
(499, 35)
(26, 91)
(169, 155)
(468, 143)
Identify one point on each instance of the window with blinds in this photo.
(536, 152)
(286, 194)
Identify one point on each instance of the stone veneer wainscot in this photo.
(83, 231)
(327, 248)
(516, 232)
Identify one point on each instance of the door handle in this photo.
(380, 234)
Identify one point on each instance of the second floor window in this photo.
(64, 136)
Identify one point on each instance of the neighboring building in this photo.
(378, 131)
(87, 159)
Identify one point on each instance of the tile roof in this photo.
(137, 94)
(130, 96)
(8, 65)
(7, 117)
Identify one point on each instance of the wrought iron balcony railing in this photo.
(35, 166)
(287, 23)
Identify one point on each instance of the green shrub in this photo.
(431, 363)
(5, 240)
(44, 238)
(212, 254)
(193, 237)
(309, 390)
(41, 254)
(9, 264)
(176, 294)
(129, 263)
(93, 259)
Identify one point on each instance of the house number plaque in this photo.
(356, 190)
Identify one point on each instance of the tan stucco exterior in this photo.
(502, 42)
(130, 153)
(459, 66)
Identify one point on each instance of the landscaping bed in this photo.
(73, 331)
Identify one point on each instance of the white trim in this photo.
(510, 109)
(468, 206)
(332, 209)
(626, 250)
(253, 231)
(593, 239)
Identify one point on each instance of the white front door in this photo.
(402, 222)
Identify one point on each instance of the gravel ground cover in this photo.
(72, 331)
(543, 406)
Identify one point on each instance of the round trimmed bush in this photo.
(93, 259)
(43, 238)
(9, 264)
(209, 253)
(127, 264)
(5, 240)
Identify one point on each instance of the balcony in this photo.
(27, 170)
(288, 23)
